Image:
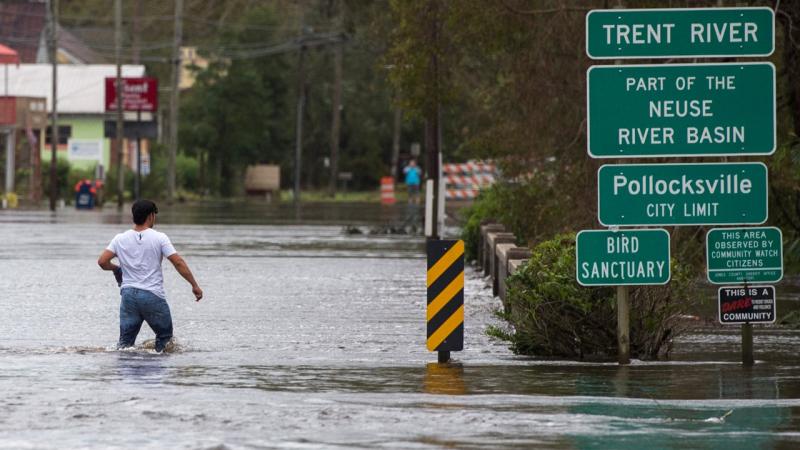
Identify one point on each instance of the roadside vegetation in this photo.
(553, 316)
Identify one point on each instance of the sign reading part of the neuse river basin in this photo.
(751, 304)
(681, 110)
(672, 33)
(682, 194)
(624, 257)
(736, 255)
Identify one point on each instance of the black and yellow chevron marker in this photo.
(445, 295)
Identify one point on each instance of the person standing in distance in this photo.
(412, 173)
(139, 252)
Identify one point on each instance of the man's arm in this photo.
(104, 261)
(183, 269)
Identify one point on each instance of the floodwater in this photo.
(310, 338)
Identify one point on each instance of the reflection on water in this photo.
(445, 379)
(310, 338)
(143, 368)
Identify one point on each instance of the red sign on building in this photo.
(138, 94)
(8, 110)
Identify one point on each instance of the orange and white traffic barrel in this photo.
(387, 191)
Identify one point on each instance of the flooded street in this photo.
(311, 338)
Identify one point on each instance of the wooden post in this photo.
(53, 35)
(138, 181)
(301, 101)
(623, 326)
(336, 119)
(747, 345)
(174, 94)
(118, 86)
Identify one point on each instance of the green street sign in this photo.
(645, 111)
(680, 32)
(682, 194)
(630, 257)
(738, 255)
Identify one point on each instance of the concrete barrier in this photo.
(506, 253)
(492, 239)
(514, 265)
(484, 230)
(499, 257)
(499, 268)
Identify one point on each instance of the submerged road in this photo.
(310, 338)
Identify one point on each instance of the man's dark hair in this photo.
(141, 209)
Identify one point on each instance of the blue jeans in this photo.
(138, 305)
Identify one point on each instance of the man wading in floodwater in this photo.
(139, 276)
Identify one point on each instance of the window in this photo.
(64, 133)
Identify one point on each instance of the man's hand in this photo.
(183, 269)
(198, 293)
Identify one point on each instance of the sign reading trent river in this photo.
(681, 110)
(682, 194)
(610, 258)
(736, 255)
(672, 33)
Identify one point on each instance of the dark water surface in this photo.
(309, 338)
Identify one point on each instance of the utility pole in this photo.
(53, 15)
(118, 83)
(432, 123)
(173, 104)
(398, 124)
(136, 38)
(301, 100)
(432, 141)
(336, 122)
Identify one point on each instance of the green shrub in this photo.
(63, 185)
(485, 208)
(187, 171)
(533, 209)
(553, 316)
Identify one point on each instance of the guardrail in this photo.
(499, 256)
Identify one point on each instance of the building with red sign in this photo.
(81, 109)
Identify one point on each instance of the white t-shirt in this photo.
(139, 254)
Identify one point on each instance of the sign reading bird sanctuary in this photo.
(681, 110)
(682, 194)
(736, 255)
(675, 33)
(624, 257)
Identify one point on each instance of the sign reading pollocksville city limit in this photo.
(624, 257)
(736, 255)
(751, 304)
(682, 194)
(675, 32)
(681, 110)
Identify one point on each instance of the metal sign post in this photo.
(137, 192)
(746, 305)
(445, 310)
(137, 94)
